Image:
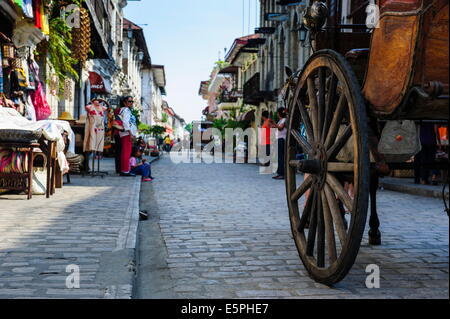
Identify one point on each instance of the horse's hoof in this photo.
(374, 238)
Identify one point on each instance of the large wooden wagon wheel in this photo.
(328, 206)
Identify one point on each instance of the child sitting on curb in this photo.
(141, 168)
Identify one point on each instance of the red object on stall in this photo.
(37, 13)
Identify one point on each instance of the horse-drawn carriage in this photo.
(357, 80)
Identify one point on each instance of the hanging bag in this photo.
(40, 103)
(400, 140)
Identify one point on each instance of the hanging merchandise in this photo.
(31, 81)
(45, 24)
(40, 103)
(8, 51)
(37, 4)
(68, 92)
(27, 8)
(19, 3)
(53, 84)
(30, 112)
(20, 80)
(81, 37)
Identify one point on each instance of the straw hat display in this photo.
(66, 116)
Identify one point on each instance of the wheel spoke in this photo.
(320, 233)
(313, 107)
(306, 121)
(340, 143)
(329, 109)
(312, 226)
(336, 214)
(302, 189)
(336, 121)
(306, 211)
(340, 191)
(329, 230)
(321, 103)
(340, 167)
(302, 141)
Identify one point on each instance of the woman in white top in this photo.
(281, 139)
(128, 135)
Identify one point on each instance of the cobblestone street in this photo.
(88, 223)
(224, 233)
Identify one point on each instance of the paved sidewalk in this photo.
(90, 223)
(407, 186)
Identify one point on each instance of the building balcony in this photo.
(230, 96)
(252, 91)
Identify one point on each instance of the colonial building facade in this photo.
(280, 27)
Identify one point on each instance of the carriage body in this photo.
(403, 63)
(339, 101)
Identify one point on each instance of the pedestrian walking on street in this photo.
(139, 166)
(128, 135)
(167, 143)
(281, 140)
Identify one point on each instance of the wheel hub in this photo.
(316, 165)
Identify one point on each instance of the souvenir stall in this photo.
(27, 136)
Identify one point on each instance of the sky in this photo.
(187, 37)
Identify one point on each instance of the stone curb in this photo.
(127, 244)
(410, 189)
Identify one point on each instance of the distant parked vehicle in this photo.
(201, 127)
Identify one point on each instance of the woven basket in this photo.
(20, 136)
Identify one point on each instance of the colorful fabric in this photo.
(41, 106)
(27, 8)
(19, 3)
(45, 23)
(13, 162)
(37, 5)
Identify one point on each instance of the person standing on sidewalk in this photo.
(265, 134)
(127, 136)
(427, 155)
(117, 128)
(281, 140)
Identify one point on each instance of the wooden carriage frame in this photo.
(357, 79)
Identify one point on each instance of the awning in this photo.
(247, 116)
(99, 84)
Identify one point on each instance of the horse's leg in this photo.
(374, 222)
